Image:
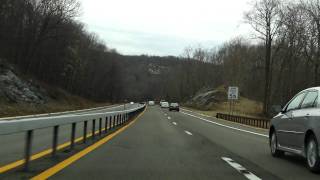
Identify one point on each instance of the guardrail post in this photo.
(73, 135)
(106, 125)
(55, 140)
(85, 125)
(117, 120)
(93, 128)
(100, 126)
(122, 119)
(114, 121)
(29, 137)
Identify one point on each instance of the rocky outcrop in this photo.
(16, 90)
(207, 97)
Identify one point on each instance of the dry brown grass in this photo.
(242, 107)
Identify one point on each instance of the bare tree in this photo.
(264, 19)
(312, 10)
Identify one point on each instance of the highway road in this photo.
(179, 145)
(12, 146)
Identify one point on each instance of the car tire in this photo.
(273, 141)
(312, 154)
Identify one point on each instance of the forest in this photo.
(44, 39)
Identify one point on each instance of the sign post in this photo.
(233, 94)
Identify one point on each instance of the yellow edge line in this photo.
(41, 154)
(58, 167)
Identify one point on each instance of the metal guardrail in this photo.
(59, 113)
(111, 121)
(261, 123)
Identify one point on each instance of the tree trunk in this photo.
(316, 70)
(267, 87)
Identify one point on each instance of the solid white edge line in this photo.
(186, 109)
(187, 132)
(230, 127)
(201, 114)
(174, 123)
(249, 175)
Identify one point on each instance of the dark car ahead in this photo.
(296, 129)
(174, 107)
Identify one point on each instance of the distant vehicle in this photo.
(174, 107)
(131, 102)
(296, 128)
(164, 105)
(151, 103)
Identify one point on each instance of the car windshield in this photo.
(159, 89)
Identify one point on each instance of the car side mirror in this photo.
(283, 109)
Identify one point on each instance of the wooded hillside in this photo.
(43, 38)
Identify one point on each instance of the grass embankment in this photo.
(242, 107)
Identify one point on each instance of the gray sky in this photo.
(164, 27)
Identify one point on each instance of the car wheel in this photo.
(312, 153)
(274, 146)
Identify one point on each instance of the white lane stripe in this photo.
(169, 117)
(230, 127)
(174, 123)
(205, 115)
(249, 175)
(201, 114)
(186, 109)
(189, 133)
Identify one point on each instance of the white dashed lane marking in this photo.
(189, 133)
(249, 175)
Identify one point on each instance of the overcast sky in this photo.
(164, 27)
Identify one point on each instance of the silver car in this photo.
(296, 129)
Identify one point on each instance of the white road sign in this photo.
(233, 93)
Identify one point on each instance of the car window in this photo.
(310, 100)
(295, 103)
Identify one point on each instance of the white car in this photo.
(131, 102)
(164, 105)
(151, 103)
